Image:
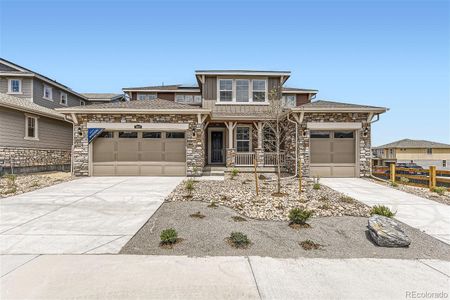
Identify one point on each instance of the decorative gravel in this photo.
(418, 191)
(339, 237)
(30, 182)
(239, 194)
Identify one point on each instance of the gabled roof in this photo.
(325, 105)
(27, 106)
(408, 143)
(136, 106)
(241, 72)
(164, 88)
(102, 96)
(27, 72)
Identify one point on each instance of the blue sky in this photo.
(385, 53)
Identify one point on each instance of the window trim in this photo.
(284, 100)
(146, 95)
(51, 93)
(233, 91)
(250, 135)
(10, 86)
(60, 98)
(82, 103)
(36, 128)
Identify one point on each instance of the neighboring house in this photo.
(96, 98)
(178, 130)
(33, 138)
(420, 152)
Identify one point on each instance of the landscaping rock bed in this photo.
(338, 237)
(239, 194)
(29, 182)
(418, 191)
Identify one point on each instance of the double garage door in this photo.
(333, 153)
(139, 153)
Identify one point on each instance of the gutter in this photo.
(133, 111)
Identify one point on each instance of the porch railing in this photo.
(244, 158)
(270, 158)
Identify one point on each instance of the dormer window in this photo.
(48, 93)
(63, 99)
(242, 90)
(15, 86)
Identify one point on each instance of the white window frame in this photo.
(50, 98)
(36, 128)
(250, 91)
(82, 103)
(61, 98)
(250, 149)
(10, 91)
(285, 97)
(265, 90)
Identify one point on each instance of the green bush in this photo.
(299, 215)
(394, 184)
(404, 180)
(382, 211)
(234, 172)
(316, 186)
(440, 190)
(11, 179)
(239, 240)
(189, 186)
(347, 199)
(168, 236)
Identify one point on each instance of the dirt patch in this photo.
(309, 245)
(197, 215)
(299, 226)
(238, 219)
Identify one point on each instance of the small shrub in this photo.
(34, 184)
(394, 184)
(238, 219)
(323, 198)
(440, 190)
(382, 211)
(347, 199)
(234, 173)
(316, 186)
(197, 215)
(189, 186)
(309, 245)
(239, 240)
(213, 204)
(404, 180)
(168, 236)
(11, 179)
(299, 215)
(11, 190)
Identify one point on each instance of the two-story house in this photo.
(419, 152)
(180, 130)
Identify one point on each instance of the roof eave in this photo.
(343, 109)
(34, 112)
(162, 91)
(132, 111)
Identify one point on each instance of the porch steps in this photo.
(214, 171)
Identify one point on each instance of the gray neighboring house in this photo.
(97, 98)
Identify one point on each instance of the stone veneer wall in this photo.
(195, 146)
(304, 143)
(24, 160)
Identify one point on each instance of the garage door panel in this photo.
(151, 170)
(321, 171)
(343, 171)
(104, 170)
(175, 170)
(128, 169)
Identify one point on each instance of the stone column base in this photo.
(230, 157)
(259, 155)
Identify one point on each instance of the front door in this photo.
(216, 147)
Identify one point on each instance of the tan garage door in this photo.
(139, 153)
(333, 153)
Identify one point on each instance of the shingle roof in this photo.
(332, 105)
(27, 106)
(96, 96)
(408, 143)
(170, 87)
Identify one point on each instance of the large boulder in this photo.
(387, 233)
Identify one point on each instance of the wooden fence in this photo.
(418, 177)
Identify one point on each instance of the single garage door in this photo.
(333, 153)
(139, 153)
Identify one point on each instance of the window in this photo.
(31, 127)
(127, 134)
(174, 135)
(343, 134)
(82, 103)
(63, 99)
(146, 96)
(259, 90)
(181, 98)
(197, 99)
(106, 135)
(151, 135)
(429, 151)
(270, 141)
(226, 90)
(242, 87)
(48, 92)
(243, 139)
(444, 163)
(289, 100)
(15, 86)
(320, 135)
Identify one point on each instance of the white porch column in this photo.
(230, 125)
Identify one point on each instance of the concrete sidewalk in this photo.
(181, 277)
(429, 216)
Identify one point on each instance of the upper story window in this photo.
(82, 103)
(31, 127)
(146, 96)
(429, 151)
(63, 98)
(48, 92)
(189, 99)
(15, 86)
(289, 100)
(242, 90)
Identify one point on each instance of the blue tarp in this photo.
(93, 133)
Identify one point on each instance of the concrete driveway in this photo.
(429, 216)
(88, 215)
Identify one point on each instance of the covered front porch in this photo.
(240, 144)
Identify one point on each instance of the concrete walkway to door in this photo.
(429, 216)
(88, 215)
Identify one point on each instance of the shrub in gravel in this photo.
(316, 186)
(382, 211)
(213, 204)
(10, 190)
(404, 180)
(394, 184)
(440, 190)
(299, 215)
(11, 179)
(168, 236)
(347, 199)
(189, 186)
(234, 173)
(309, 245)
(239, 240)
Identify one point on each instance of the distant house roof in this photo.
(164, 88)
(408, 143)
(102, 96)
(27, 106)
(137, 106)
(298, 90)
(324, 105)
(22, 71)
(243, 72)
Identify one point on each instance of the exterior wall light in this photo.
(80, 132)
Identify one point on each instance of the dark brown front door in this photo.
(217, 147)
